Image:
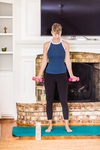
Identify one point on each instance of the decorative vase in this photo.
(4, 49)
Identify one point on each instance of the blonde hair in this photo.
(56, 27)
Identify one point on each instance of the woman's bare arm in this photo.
(68, 61)
(44, 60)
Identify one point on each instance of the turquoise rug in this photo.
(57, 131)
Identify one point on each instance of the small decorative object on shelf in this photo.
(5, 30)
(4, 49)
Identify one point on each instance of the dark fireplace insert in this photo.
(85, 90)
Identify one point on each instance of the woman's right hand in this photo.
(44, 62)
(37, 78)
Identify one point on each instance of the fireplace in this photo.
(85, 90)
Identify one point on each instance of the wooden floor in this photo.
(6, 133)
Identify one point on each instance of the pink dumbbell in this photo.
(40, 80)
(70, 79)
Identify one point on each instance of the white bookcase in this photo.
(6, 58)
(6, 39)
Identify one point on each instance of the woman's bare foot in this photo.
(68, 129)
(67, 126)
(49, 129)
(50, 126)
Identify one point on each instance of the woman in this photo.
(57, 51)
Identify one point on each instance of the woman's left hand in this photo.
(74, 78)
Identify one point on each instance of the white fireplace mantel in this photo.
(91, 46)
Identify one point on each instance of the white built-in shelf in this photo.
(9, 70)
(5, 34)
(6, 53)
(6, 39)
(6, 17)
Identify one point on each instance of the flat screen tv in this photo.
(77, 17)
